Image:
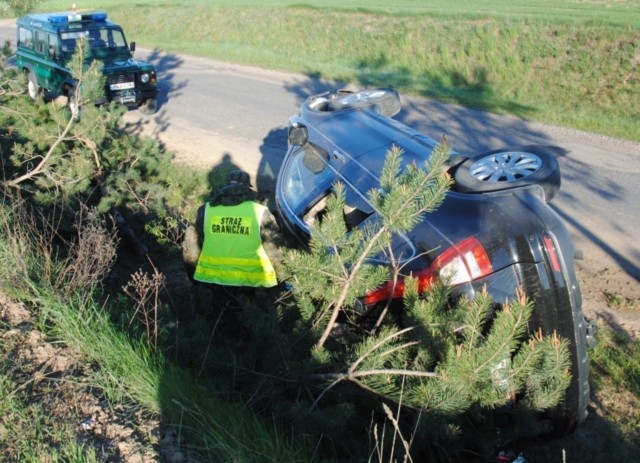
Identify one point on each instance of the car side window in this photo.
(68, 41)
(116, 38)
(307, 177)
(308, 183)
(356, 208)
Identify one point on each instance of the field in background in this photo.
(621, 12)
(562, 62)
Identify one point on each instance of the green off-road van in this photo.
(46, 42)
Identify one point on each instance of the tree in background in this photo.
(21, 7)
(10, 83)
(69, 158)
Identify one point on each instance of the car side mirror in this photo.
(298, 134)
(132, 47)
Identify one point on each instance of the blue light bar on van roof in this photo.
(62, 18)
(58, 19)
(100, 16)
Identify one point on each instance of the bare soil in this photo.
(61, 383)
(610, 295)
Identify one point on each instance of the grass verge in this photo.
(616, 368)
(127, 370)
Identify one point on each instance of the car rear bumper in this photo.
(557, 308)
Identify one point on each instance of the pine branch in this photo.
(376, 346)
(355, 376)
(14, 183)
(506, 340)
(337, 377)
(347, 286)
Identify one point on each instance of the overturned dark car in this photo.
(495, 228)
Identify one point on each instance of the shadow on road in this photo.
(169, 88)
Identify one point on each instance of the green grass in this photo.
(615, 381)
(561, 62)
(126, 370)
(129, 372)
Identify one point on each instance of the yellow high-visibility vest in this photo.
(232, 252)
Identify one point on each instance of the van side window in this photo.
(53, 46)
(40, 43)
(25, 37)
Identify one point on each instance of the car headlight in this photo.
(144, 77)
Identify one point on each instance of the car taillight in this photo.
(461, 263)
(552, 253)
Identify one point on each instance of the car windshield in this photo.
(102, 41)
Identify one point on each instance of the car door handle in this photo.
(338, 155)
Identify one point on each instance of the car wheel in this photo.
(33, 89)
(148, 106)
(509, 168)
(386, 101)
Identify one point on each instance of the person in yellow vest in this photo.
(235, 239)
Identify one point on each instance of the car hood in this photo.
(123, 65)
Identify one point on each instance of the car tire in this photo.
(148, 106)
(33, 89)
(505, 169)
(385, 101)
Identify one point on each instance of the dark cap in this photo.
(238, 177)
(237, 190)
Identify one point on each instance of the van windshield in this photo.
(100, 40)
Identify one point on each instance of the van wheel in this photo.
(33, 89)
(148, 106)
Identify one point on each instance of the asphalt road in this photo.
(212, 113)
